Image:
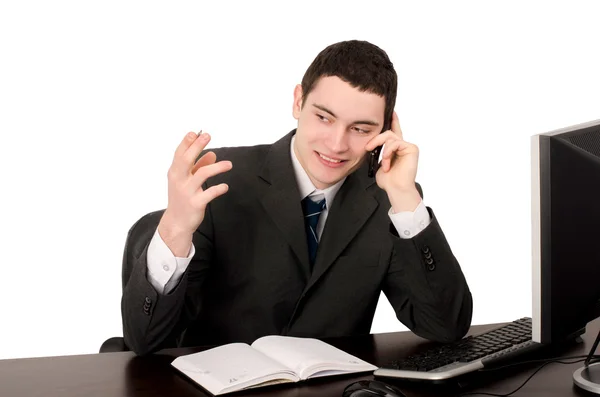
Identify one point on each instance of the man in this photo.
(235, 256)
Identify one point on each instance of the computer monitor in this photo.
(565, 231)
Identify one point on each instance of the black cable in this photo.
(545, 362)
(592, 350)
(541, 360)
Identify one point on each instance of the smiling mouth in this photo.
(331, 160)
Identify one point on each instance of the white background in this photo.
(96, 95)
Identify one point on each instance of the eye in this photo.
(361, 131)
(322, 118)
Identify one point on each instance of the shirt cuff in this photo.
(410, 223)
(165, 269)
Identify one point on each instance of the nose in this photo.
(338, 140)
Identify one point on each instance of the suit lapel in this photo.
(281, 199)
(351, 208)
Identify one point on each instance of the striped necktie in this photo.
(312, 210)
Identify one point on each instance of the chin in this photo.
(330, 179)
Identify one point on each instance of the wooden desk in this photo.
(124, 374)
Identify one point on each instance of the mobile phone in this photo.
(374, 161)
(374, 155)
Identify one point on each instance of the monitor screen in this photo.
(565, 231)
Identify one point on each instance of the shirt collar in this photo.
(305, 185)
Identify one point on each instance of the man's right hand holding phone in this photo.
(187, 200)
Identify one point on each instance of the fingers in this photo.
(388, 153)
(203, 173)
(188, 151)
(391, 147)
(395, 147)
(192, 152)
(187, 141)
(380, 139)
(202, 199)
(208, 158)
(396, 125)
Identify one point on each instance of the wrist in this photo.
(179, 240)
(404, 199)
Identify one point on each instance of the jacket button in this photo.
(428, 255)
(429, 261)
(431, 267)
(425, 249)
(148, 300)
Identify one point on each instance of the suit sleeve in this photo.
(426, 286)
(152, 321)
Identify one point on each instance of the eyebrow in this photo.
(367, 122)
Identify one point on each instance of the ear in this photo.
(297, 107)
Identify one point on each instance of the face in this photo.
(334, 125)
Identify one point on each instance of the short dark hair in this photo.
(359, 63)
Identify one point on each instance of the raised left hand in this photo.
(399, 162)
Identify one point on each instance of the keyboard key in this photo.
(468, 349)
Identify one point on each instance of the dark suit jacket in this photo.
(250, 274)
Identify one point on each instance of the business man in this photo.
(295, 238)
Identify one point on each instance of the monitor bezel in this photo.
(538, 156)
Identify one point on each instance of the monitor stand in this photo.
(588, 378)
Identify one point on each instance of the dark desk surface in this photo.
(124, 374)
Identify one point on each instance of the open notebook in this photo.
(269, 360)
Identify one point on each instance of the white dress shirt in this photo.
(165, 270)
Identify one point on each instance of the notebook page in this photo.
(306, 356)
(230, 367)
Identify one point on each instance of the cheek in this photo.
(358, 146)
(305, 127)
(315, 133)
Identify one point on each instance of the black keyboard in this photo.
(467, 355)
